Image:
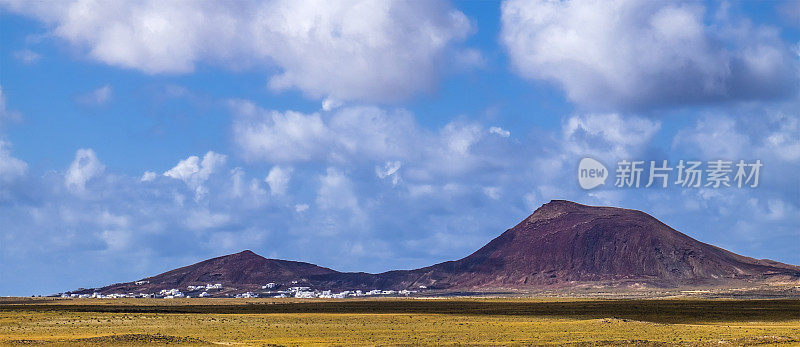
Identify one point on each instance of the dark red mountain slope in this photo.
(245, 270)
(561, 244)
(565, 242)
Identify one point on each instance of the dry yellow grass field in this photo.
(383, 322)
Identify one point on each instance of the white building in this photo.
(171, 293)
(303, 294)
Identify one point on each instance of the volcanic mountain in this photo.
(561, 244)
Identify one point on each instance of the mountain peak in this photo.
(554, 209)
(562, 204)
(563, 242)
(246, 255)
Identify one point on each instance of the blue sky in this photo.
(136, 137)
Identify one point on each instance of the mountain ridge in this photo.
(561, 244)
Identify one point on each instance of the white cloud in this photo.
(284, 137)
(774, 136)
(317, 48)
(148, 176)
(278, 180)
(345, 134)
(10, 168)
(460, 137)
(195, 172)
(645, 53)
(251, 194)
(336, 192)
(499, 131)
(330, 104)
(352, 209)
(713, 137)
(347, 50)
(97, 97)
(361, 135)
(85, 167)
(389, 170)
(608, 135)
(185, 169)
(373, 133)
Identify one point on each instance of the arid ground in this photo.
(506, 321)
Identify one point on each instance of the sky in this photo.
(141, 136)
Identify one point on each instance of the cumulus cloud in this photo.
(85, 167)
(195, 172)
(282, 137)
(347, 50)
(278, 180)
(362, 135)
(295, 137)
(642, 53)
(399, 45)
(342, 205)
(365, 132)
(775, 136)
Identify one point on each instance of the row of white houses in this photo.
(202, 291)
